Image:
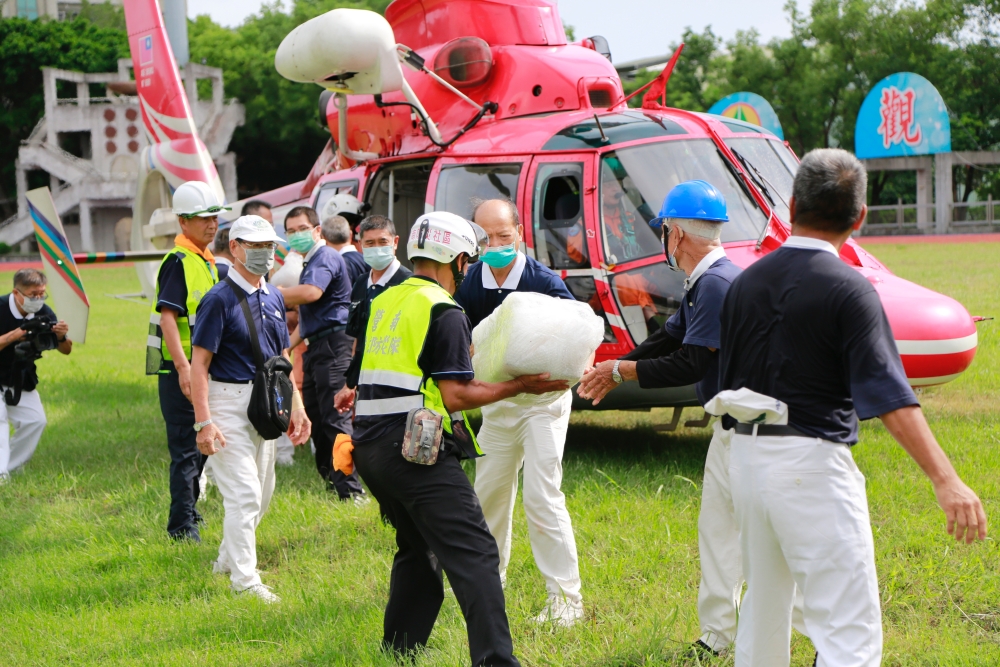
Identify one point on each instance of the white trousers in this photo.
(803, 518)
(513, 436)
(244, 472)
(28, 420)
(719, 551)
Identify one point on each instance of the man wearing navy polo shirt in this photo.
(685, 351)
(323, 296)
(513, 436)
(222, 373)
(805, 335)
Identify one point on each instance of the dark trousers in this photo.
(186, 462)
(439, 525)
(324, 372)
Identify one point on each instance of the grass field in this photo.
(88, 576)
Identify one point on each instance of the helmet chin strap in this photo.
(456, 274)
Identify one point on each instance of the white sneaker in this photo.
(4, 478)
(561, 611)
(503, 580)
(360, 500)
(284, 461)
(261, 592)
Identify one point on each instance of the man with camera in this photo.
(27, 328)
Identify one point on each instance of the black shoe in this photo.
(700, 649)
(816, 659)
(191, 534)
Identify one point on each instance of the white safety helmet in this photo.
(197, 199)
(443, 236)
(341, 203)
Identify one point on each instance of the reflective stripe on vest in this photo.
(199, 277)
(391, 381)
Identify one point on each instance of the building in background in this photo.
(89, 145)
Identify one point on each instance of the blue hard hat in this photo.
(692, 200)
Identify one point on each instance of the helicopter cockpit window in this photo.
(459, 185)
(400, 192)
(635, 180)
(774, 164)
(559, 232)
(647, 296)
(328, 190)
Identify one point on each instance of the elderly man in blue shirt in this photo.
(513, 436)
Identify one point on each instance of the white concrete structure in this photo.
(936, 211)
(94, 188)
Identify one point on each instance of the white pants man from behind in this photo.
(514, 435)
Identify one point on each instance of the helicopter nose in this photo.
(935, 335)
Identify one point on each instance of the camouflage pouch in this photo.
(422, 438)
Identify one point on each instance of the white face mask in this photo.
(31, 304)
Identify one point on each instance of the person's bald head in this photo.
(500, 221)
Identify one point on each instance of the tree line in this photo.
(816, 78)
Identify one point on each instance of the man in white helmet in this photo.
(416, 379)
(186, 274)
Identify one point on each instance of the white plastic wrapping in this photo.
(288, 274)
(533, 333)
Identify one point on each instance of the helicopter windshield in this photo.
(772, 163)
(635, 180)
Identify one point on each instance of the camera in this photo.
(40, 338)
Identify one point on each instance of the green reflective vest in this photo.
(391, 380)
(199, 275)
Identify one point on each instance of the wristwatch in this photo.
(615, 375)
(200, 425)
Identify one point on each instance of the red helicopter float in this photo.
(443, 101)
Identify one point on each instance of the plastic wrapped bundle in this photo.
(288, 274)
(533, 333)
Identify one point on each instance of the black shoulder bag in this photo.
(270, 408)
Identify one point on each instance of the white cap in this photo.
(253, 229)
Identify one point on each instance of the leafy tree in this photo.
(283, 133)
(27, 46)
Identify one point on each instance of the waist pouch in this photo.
(270, 408)
(422, 437)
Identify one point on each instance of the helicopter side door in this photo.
(399, 191)
(561, 232)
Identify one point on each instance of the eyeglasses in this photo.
(261, 245)
(43, 296)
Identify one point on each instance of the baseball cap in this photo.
(253, 229)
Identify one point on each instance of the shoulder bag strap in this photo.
(254, 341)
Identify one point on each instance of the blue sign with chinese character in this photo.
(903, 114)
(749, 107)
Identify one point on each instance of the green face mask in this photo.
(301, 242)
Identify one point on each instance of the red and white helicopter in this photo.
(441, 101)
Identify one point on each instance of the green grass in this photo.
(88, 576)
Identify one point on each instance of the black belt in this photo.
(323, 333)
(768, 429)
(227, 381)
